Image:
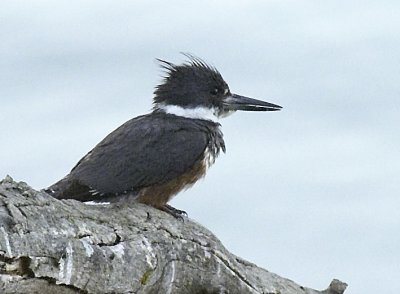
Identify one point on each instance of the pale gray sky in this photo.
(310, 192)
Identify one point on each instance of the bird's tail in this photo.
(56, 190)
(68, 188)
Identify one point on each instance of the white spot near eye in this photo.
(226, 91)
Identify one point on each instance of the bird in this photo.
(151, 158)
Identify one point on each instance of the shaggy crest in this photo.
(192, 78)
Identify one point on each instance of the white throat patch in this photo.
(198, 112)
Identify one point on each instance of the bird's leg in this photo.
(176, 213)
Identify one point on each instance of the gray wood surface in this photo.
(53, 246)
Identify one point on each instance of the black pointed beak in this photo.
(237, 102)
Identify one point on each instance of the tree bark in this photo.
(53, 246)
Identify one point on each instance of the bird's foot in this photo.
(176, 213)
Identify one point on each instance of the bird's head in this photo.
(197, 90)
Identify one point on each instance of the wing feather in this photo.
(144, 151)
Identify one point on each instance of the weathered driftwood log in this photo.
(53, 246)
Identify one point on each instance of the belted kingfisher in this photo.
(152, 157)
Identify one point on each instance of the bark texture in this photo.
(53, 246)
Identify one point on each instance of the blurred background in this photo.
(311, 192)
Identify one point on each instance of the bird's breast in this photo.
(209, 157)
(214, 146)
(159, 195)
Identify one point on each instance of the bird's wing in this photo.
(144, 151)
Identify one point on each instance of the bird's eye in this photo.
(215, 91)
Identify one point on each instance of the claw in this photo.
(176, 213)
